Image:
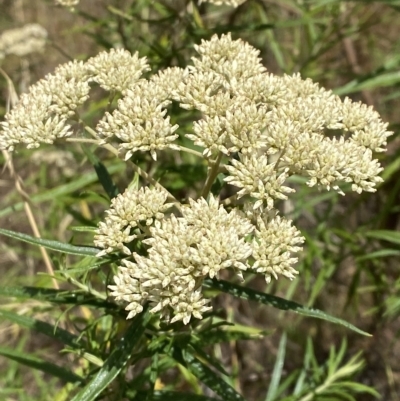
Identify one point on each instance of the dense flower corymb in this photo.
(184, 251)
(128, 211)
(254, 128)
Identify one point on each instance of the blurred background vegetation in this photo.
(350, 265)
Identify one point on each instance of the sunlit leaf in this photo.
(276, 302)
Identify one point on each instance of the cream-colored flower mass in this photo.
(255, 128)
(232, 3)
(22, 41)
(67, 3)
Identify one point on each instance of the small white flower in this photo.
(232, 3)
(126, 212)
(273, 245)
(259, 179)
(67, 3)
(139, 122)
(117, 69)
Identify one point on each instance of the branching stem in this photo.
(212, 174)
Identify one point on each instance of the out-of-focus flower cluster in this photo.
(257, 128)
(67, 3)
(31, 38)
(232, 3)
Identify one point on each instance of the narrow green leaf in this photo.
(208, 358)
(40, 364)
(102, 173)
(49, 330)
(175, 396)
(56, 296)
(216, 336)
(385, 235)
(382, 253)
(152, 378)
(87, 263)
(82, 182)
(51, 244)
(277, 372)
(276, 302)
(83, 229)
(391, 169)
(206, 375)
(377, 81)
(116, 361)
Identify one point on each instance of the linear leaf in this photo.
(382, 253)
(49, 330)
(176, 396)
(378, 81)
(217, 336)
(56, 296)
(277, 372)
(40, 364)
(51, 244)
(83, 181)
(206, 375)
(276, 302)
(385, 235)
(102, 173)
(116, 361)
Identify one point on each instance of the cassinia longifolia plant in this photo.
(256, 128)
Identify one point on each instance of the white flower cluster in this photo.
(232, 3)
(185, 250)
(139, 121)
(67, 3)
(249, 111)
(128, 211)
(20, 42)
(257, 128)
(44, 114)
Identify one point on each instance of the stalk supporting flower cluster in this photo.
(258, 129)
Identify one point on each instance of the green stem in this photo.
(152, 181)
(192, 151)
(279, 159)
(84, 287)
(230, 200)
(107, 146)
(83, 140)
(111, 98)
(212, 174)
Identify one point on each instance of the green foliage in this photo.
(349, 268)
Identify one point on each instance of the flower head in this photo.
(183, 251)
(127, 211)
(20, 42)
(67, 3)
(117, 69)
(32, 122)
(140, 122)
(259, 179)
(273, 245)
(232, 3)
